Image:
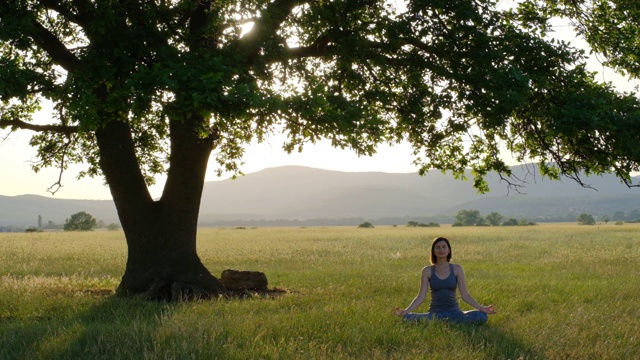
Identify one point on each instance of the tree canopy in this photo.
(586, 219)
(469, 218)
(611, 27)
(494, 218)
(454, 78)
(80, 221)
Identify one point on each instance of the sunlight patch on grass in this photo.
(71, 285)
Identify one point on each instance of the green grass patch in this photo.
(562, 292)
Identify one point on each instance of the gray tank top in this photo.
(443, 291)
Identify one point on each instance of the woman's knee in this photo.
(476, 316)
(416, 316)
(484, 317)
(480, 317)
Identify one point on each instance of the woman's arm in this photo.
(464, 293)
(422, 294)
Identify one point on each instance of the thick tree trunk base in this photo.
(173, 279)
(173, 291)
(233, 284)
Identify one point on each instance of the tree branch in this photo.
(328, 51)
(83, 17)
(267, 25)
(53, 189)
(310, 51)
(199, 19)
(53, 46)
(57, 7)
(63, 129)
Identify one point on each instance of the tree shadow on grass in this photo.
(494, 342)
(96, 324)
(85, 331)
(133, 328)
(86, 324)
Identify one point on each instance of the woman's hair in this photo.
(434, 258)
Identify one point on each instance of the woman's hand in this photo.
(488, 309)
(400, 312)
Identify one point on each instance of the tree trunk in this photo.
(162, 262)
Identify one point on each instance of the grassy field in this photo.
(562, 292)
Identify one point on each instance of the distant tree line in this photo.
(493, 218)
(12, 228)
(474, 218)
(81, 221)
(366, 225)
(632, 216)
(345, 221)
(586, 219)
(350, 221)
(419, 224)
(463, 218)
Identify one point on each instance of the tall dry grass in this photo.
(562, 292)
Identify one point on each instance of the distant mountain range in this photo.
(301, 195)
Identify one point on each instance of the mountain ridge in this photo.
(303, 193)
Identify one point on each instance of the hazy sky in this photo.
(16, 155)
(17, 177)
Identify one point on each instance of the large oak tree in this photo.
(147, 87)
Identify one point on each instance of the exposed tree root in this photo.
(234, 284)
(174, 291)
(250, 294)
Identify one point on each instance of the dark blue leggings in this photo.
(454, 316)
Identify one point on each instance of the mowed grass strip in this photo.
(562, 292)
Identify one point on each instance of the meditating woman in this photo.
(443, 278)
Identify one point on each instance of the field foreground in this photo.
(562, 292)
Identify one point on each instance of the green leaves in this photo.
(459, 80)
(81, 221)
(611, 28)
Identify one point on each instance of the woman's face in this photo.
(441, 249)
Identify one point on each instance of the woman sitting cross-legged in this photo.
(443, 278)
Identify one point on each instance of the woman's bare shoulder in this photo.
(426, 270)
(457, 268)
